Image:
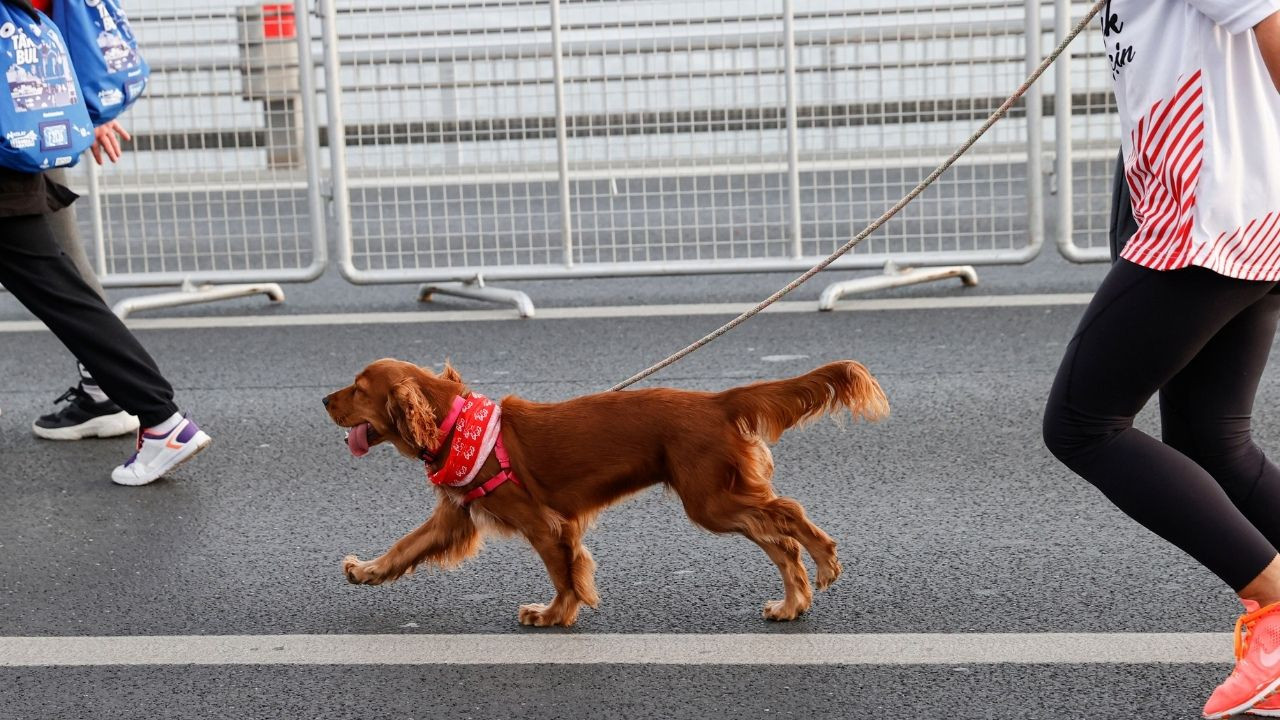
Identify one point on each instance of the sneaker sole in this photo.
(1246, 707)
(196, 450)
(107, 426)
(1263, 712)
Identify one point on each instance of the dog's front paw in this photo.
(539, 615)
(361, 573)
(782, 610)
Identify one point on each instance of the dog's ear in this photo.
(412, 415)
(450, 374)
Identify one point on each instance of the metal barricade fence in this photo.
(222, 182)
(521, 139)
(1086, 140)
(474, 140)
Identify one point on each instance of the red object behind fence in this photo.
(278, 22)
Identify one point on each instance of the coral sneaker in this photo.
(1257, 671)
(159, 453)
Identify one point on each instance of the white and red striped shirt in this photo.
(1201, 121)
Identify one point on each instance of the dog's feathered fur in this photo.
(577, 457)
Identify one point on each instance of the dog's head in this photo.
(397, 402)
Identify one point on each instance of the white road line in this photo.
(578, 313)
(670, 649)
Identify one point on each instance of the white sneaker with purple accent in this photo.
(158, 454)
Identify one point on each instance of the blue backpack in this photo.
(44, 123)
(112, 72)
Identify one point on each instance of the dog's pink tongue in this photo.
(358, 440)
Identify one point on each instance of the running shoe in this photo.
(159, 453)
(82, 417)
(1257, 671)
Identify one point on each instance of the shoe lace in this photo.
(1244, 627)
(74, 393)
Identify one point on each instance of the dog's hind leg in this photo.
(754, 479)
(819, 544)
(752, 516)
(785, 553)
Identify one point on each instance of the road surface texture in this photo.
(982, 579)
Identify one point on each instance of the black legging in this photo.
(43, 278)
(1201, 340)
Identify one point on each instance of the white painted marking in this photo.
(582, 313)
(671, 649)
(783, 358)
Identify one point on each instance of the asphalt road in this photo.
(569, 693)
(951, 518)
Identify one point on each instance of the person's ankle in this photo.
(1264, 589)
(1262, 599)
(167, 426)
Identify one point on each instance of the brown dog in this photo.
(572, 459)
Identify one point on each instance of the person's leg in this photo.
(86, 411)
(1206, 414)
(1142, 328)
(43, 279)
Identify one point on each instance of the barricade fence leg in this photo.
(192, 294)
(893, 277)
(476, 290)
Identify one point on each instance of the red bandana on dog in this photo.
(474, 436)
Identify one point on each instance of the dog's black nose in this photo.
(325, 401)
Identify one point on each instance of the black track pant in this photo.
(44, 279)
(1201, 340)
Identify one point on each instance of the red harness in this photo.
(475, 426)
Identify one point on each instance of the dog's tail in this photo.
(768, 409)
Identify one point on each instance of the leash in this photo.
(964, 148)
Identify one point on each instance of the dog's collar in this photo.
(476, 426)
(446, 426)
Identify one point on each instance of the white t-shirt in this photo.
(1201, 122)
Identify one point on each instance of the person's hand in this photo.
(106, 139)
